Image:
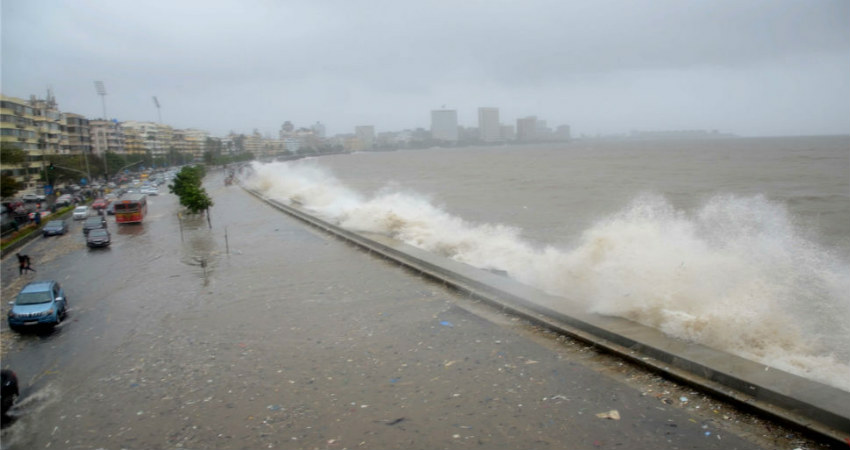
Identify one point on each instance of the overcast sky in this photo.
(755, 68)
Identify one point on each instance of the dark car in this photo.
(55, 228)
(93, 223)
(9, 390)
(38, 303)
(99, 237)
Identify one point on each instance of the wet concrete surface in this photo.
(264, 333)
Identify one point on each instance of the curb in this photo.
(12, 248)
(813, 407)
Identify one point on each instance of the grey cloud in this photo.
(307, 61)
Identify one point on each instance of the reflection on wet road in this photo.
(264, 333)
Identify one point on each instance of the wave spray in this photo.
(734, 274)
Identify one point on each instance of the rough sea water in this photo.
(739, 244)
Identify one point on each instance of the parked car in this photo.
(55, 228)
(9, 390)
(100, 203)
(93, 223)
(38, 303)
(81, 212)
(98, 237)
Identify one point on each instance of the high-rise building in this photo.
(526, 129)
(488, 125)
(444, 125)
(563, 133)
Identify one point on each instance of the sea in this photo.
(740, 244)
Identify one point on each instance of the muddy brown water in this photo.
(264, 333)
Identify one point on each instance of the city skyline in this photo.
(769, 68)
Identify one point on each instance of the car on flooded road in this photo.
(100, 203)
(31, 198)
(93, 223)
(81, 212)
(98, 237)
(55, 228)
(38, 303)
(64, 200)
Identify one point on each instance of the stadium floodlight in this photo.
(101, 91)
(158, 113)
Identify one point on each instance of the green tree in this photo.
(9, 186)
(12, 155)
(187, 186)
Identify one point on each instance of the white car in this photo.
(33, 198)
(64, 200)
(81, 212)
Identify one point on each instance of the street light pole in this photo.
(128, 165)
(88, 171)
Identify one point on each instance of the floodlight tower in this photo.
(158, 113)
(101, 91)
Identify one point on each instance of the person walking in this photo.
(24, 263)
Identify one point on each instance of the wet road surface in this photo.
(264, 333)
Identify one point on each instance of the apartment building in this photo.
(78, 134)
(18, 130)
(50, 122)
(147, 137)
(189, 141)
(106, 136)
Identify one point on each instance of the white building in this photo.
(489, 129)
(444, 125)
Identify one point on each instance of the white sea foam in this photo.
(736, 274)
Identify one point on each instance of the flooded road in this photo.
(264, 333)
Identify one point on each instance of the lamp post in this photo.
(101, 91)
(128, 165)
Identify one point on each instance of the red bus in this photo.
(131, 208)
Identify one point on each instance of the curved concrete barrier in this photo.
(811, 406)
